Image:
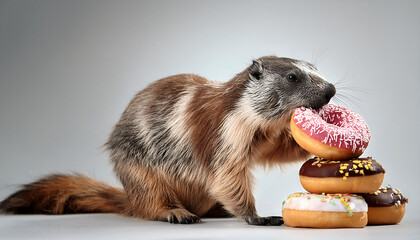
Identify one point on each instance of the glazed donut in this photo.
(325, 211)
(360, 175)
(333, 132)
(385, 206)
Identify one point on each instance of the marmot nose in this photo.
(330, 92)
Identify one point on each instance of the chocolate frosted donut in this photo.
(385, 197)
(385, 206)
(360, 175)
(321, 168)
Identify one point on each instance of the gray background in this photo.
(69, 68)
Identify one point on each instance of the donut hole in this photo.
(334, 117)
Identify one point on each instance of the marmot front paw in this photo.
(265, 221)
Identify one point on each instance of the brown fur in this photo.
(65, 194)
(184, 148)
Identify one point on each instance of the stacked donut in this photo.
(344, 190)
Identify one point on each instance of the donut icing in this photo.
(385, 197)
(335, 126)
(350, 203)
(321, 168)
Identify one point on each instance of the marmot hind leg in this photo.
(179, 215)
(152, 198)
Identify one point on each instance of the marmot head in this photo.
(276, 85)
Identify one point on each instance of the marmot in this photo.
(185, 146)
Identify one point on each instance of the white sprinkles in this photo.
(334, 125)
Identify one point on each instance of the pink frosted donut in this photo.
(333, 132)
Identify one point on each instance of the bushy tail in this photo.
(65, 194)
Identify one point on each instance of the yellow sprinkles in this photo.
(359, 166)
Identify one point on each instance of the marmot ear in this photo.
(255, 70)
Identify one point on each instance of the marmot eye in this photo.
(292, 77)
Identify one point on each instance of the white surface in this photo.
(108, 226)
(69, 68)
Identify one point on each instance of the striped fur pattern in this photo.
(185, 145)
